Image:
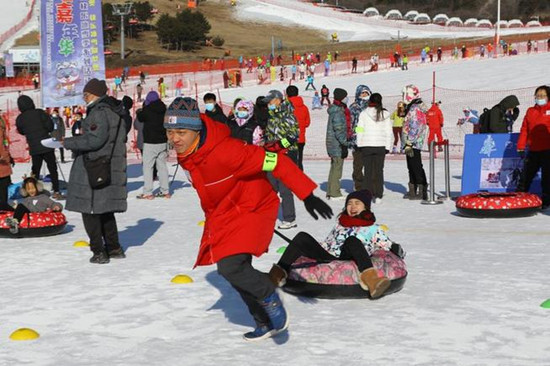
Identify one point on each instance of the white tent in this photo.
(394, 14)
(440, 19)
(533, 23)
(484, 23)
(411, 14)
(470, 22)
(371, 12)
(454, 22)
(515, 23)
(503, 24)
(422, 18)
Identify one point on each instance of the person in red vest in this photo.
(301, 112)
(435, 123)
(239, 204)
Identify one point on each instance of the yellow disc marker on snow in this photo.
(384, 227)
(181, 279)
(24, 334)
(81, 243)
(201, 223)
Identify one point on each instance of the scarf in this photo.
(190, 150)
(365, 218)
(347, 113)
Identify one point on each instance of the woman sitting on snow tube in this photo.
(35, 201)
(355, 237)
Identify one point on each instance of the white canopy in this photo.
(370, 12)
(533, 23)
(411, 14)
(515, 23)
(394, 14)
(454, 22)
(503, 24)
(484, 23)
(471, 22)
(422, 18)
(440, 19)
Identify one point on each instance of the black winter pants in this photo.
(49, 158)
(4, 184)
(250, 283)
(305, 245)
(18, 212)
(536, 160)
(417, 175)
(102, 231)
(300, 157)
(373, 160)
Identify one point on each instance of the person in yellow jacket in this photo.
(397, 120)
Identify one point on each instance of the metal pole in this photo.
(431, 199)
(433, 88)
(174, 176)
(497, 36)
(122, 37)
(447, 170)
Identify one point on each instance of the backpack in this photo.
(484, 120)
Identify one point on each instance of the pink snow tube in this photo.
(340, 279)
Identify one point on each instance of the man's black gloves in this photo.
(314, 203)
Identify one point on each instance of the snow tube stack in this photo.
(34, 224)
(498, 205)
(340, 279)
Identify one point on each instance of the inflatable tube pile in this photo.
(340, 279)
(510, 204)
(38, 224)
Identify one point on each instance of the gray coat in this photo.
(336, 139)
(40, 203)
(98, 135)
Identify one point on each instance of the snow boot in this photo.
(276, 312)
(262, 331)
(13, 225)
(422, 192)
(376, 286)
(100, 258)
(278, 275)
(411, 193)
(117, 254)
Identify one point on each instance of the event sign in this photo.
(491, 163)
(72, 49)
(8, 63)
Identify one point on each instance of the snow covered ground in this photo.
(354, 27)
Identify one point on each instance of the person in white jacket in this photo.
(374, 141)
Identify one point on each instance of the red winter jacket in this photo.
(535, 130)
(301, 112)
(239, 203)
(434, 117)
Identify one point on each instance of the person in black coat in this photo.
(213, 109)
(261, 112)
(503, 115)
(243, 125)
(36, 125)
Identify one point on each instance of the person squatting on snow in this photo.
(155, 147)
(301, 112)
(243, 125)
(535, 139)
(338, 127)
(362, 96)
(35, 199)
(435, 120)
(103, 134)
(355, 237)
(281, 134)
(239, 204)
(414, 133)
(316, 101)
(374, 141)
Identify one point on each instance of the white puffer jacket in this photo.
(372, 133)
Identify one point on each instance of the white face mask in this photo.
(541, 101)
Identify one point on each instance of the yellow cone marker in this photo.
(81, 243)
(181, 279)
(24, 334)
(201, 223)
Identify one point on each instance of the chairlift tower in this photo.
(122, 10)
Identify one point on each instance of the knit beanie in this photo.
(363, 195)
(183, 113)
(339, 94)
(96, 87)
(151, 97)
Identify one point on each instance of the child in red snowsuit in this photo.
(435, 123)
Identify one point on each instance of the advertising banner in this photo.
(491, 163)
(71, 49)
(8, 62)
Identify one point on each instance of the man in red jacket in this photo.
(240, 205)
(301, 112)
(435, 123)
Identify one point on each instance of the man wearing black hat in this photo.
(103, 135)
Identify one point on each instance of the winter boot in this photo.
(277, 275)
(422, 192)
(13, 224)
(411, 193)
(100, 258)
(276, 312)
(262, 331)
(117, 254)
(376, 286)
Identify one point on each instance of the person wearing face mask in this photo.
(503, 115)
(362, 95)
(58, 132)
(535, 138)
(213, 109)
(243, 125)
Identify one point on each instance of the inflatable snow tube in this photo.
(35, 224)
(340, 279)
(498, 205)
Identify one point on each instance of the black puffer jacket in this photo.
(244, 132)
(497, 119)
(152, 117)
(34, 124)
(217, 114)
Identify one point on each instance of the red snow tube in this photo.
(511, 204)
(34, 224)
(340, 279)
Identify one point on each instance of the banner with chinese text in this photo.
(71, 49)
